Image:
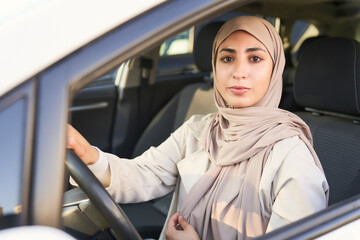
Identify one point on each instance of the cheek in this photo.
(263, 76)
(219, 82)
(221, 76)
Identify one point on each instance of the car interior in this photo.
(141, 102)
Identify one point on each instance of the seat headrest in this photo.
(203, 45)
(328, 77)
(306, 43)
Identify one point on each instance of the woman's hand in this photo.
(81, 147)
(179, 228)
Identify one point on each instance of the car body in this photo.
(96, 64)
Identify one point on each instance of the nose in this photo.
(240, 70)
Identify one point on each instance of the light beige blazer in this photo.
(291, 186)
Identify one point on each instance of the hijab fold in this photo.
(225, 203)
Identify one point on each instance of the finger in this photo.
(170, 228)
(183, 223)
(173, 220)
(71, 137)
(70, 143)
(75, 140)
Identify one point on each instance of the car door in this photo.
(16, 128)
(93, 110)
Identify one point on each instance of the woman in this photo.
(239, 173)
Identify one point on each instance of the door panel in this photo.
(93, 112)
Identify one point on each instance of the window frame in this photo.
(26, 92)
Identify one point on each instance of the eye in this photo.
(255, 59)
(227, 59)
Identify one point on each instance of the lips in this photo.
(239, 90)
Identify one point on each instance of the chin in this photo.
(242, 104)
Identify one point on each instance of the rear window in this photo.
(301, 30)
(179, 44)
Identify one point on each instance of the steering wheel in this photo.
(114, 216)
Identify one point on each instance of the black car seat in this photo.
(287, 99)
(195, 98)
(327, 85)
(305, 44)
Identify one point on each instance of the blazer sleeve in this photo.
(297, 187)
(153, 174)
(100, 169)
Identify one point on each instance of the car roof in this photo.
(37, 33)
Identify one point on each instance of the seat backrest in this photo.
(287, 99)
(195, 98)
(327, 85)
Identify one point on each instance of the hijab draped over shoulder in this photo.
(225, 203)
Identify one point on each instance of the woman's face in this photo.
(243, 70)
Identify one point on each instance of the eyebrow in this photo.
(253, 49)
(230, 50)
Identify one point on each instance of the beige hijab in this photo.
(224, 203)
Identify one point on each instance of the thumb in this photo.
(70, 143)
(183, 223)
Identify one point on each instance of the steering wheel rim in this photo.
(114, 216)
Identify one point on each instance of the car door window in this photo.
(301, 31)
(176, 55)
(16, 129)
(179, 44)
(11, 126)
